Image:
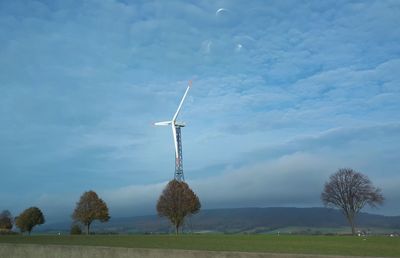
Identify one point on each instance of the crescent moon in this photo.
(220, 10)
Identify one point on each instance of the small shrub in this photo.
(76, 230)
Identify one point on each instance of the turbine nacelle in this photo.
(180, 124)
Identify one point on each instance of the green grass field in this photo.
(340, 245)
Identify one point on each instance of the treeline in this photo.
(346, 190)
(176, 202)
(89, 208)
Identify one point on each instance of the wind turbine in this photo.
(176, 132)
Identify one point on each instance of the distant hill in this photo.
(254, 220)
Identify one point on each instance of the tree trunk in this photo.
(87, 229)
(177, 229)
(352, 224)
(353, 228)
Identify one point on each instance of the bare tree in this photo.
(29, 218)
(6, 220)
(176, 202)
(350, 191)
(89, 208)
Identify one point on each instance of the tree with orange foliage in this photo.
(176, 202)
(89, 208)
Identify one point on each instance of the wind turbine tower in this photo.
(176, 132)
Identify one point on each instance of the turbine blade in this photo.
(163, 123)
(175, 140)
(180, 104)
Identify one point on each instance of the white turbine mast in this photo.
(176, 132)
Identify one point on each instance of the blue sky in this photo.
(284, 93)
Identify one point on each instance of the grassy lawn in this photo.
(341, 245)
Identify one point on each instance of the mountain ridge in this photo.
(230, 220)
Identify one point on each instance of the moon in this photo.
(225, 17)
(221, 11)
